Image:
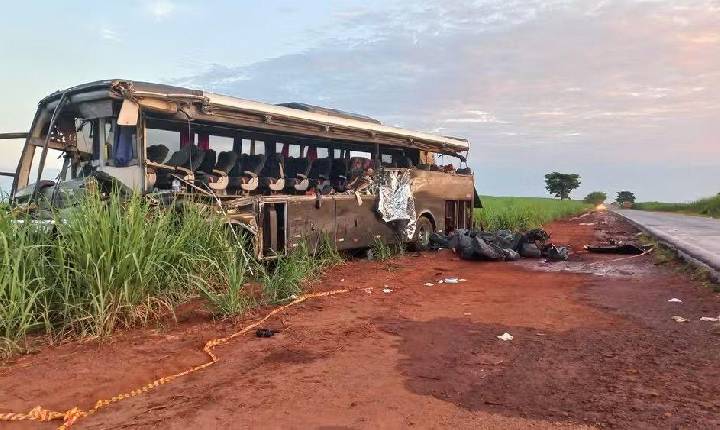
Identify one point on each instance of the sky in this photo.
(625, 93)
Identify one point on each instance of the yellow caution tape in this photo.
(71, 416)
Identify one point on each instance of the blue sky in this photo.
(626, 93)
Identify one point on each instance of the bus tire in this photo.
(423, 230)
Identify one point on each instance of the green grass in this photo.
(525, 213)
(114, 263)
(382, 251)
(708, 207)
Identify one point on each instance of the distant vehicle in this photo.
(285, 173)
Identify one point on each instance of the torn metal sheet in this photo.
(395, 199)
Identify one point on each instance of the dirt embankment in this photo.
(594, 346)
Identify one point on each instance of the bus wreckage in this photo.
(286, 173)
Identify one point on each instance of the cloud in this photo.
(109, 34)
(160, 9)
(595, 80)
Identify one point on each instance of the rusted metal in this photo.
(18, 135)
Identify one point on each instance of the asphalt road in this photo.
(697, 236)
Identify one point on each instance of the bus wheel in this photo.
(423, 230)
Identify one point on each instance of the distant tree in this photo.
(596, 197)
(625, 196)
(561, 184)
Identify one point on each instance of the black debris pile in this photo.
(501, 245)
(266, 332)
(615, 247)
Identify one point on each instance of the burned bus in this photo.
(285, 173)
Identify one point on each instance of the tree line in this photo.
(562, 184)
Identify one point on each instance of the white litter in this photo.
(675, 300)
(505, 337)
(368, 290)
(440, 281)
(387, 290)
(342, 280)
(587, 223)
(462, 280)
(467, 314)
(429, 284)
(451, 280)
(678, 318)
(710, 319)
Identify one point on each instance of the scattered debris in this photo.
(502, 245)
(451, 280)
(387, 290)
(675, 300)
(342, 280)
(617, 248)
(711, 319)
(557, 253)
(467, 314)
(462, 280)
(266, 332)
(587, 223)
(678, 318)
(368, 290)
(429, 284)
(505, 337)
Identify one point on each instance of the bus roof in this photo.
(301, 118)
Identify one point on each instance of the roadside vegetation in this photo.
(381, 251)
(111, 264)
(708, 207)
(663, 255)
(525, 213)
(595, 198)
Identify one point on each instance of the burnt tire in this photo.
(423, 230)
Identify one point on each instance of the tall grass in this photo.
(524, 213)
(111, 263)
(22, 283)
(709, 206)
(285, 279)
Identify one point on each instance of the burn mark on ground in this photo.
(625, 378)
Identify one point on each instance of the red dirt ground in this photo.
(594, 346)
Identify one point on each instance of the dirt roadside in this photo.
(594, 346)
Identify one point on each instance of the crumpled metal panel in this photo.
(396, 201)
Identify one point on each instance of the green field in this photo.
(524, 213)
(708, 207)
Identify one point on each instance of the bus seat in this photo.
(252, 165)
(157, 153)
(209, 160)
(225, 163)
(320, 169)
(271, 175)
(320, 175)
(184, 161)
(235, 175)
(338, 174)
(404, 162)
(296, 173)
